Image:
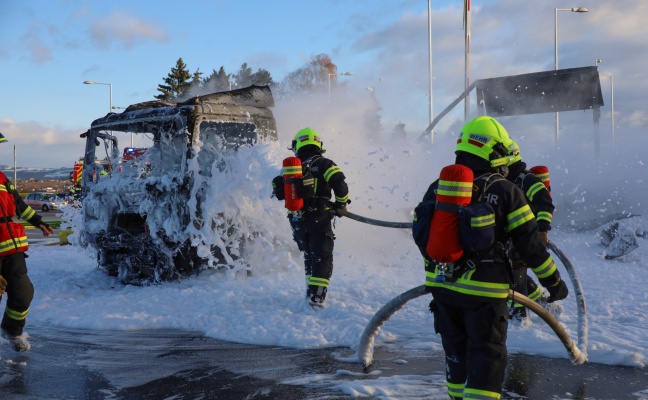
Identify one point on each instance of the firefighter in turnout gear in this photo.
(470, 311)
(13, 269)
(312, 224)
(539, 199)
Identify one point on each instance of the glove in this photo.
(278, 187)
(543, 238)
(339, 206)
(3, 284)
(557, 291)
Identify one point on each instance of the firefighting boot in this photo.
(316, 296)
(18, 343)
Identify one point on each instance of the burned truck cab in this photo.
(144, 217)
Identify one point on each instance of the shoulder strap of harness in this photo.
(519, 180)
(483, 182)
(306, 165)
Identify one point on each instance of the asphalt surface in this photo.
(178, 365)
(35, 236)
(74, 364)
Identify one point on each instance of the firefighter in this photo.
(13, 269)
(312, 225)
(77, 177)
(471, 312)
(539, 199)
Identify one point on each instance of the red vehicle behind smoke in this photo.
(131, 153)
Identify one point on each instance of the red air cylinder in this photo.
(542, 172)
(455, 190)
(292, 168)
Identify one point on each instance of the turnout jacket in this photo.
(12, 235)
(328, 177)
(489, 280)
(536, 193)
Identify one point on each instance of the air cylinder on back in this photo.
(542, 173)
(454, 191)
(292, 168)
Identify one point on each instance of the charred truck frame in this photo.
(143, 218)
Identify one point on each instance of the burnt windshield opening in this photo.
(130, 222)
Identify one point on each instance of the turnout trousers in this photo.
(473, 334)
(314, 236)
(20, 292)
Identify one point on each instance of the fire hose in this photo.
(365, 346)
(577, 353)
(370, 221)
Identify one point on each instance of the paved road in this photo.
(179, 365)
(35, 236)
(76, 364)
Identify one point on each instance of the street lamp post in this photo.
(611, 102)
(329, 81)
(111, 106)
(100, 83)
(573, 9)
(232, 83)
(467, 58)
(430, 65)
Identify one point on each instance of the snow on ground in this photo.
(268, 308)
(372, 265)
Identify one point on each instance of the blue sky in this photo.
(49, 47)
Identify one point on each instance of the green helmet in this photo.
(514, 151)
(487, 139)
(305, 137)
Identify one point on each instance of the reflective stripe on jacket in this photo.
(536, 193)
(328, 177)
(490, 279)
(12, 235)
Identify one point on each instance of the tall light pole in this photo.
(232, 83)
(329, 81)
(611, 99)
(430, 65)
(15, 173)
(611, 103)
(100, 83)
(111, 106)
(467, 58)
(573, 9)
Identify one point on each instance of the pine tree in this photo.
(196, 81)
(177, 82)
(262, 77)
(217, 81)
(243, 77)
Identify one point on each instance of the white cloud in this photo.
(120, 27)
(43, 146)
(637, 119)
(39, 52)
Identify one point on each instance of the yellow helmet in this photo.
(305, 137)
(514, 151)
(486, 138)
